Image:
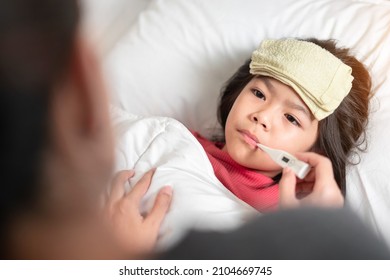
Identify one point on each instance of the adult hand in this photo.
(136, 233)
(318, 188)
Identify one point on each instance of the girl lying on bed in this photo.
(293, 95)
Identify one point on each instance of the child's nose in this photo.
(262, 119)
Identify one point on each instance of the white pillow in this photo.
(104, 21)
(175, 58)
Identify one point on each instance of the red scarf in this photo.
(249, 185)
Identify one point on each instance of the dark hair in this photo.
(341, 132)
(35, 48)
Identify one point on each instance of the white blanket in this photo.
(200, 201)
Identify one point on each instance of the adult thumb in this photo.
(287, 186)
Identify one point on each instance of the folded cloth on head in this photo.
(320, 78)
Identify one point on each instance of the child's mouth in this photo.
(250, 139)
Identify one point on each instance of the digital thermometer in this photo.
(285, 159)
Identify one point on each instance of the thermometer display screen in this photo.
(285, 159)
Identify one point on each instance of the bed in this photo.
(169, 58)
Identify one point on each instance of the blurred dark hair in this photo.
(340, 133)
(36, 41)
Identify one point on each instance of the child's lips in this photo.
(250, 138)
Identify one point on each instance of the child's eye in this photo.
(258, 94)
(292, 120)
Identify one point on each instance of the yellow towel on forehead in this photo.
(320, 78)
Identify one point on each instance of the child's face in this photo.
(271, 113)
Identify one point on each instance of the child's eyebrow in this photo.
(296, 106)
(268, 84)
(290, 104)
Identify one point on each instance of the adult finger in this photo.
(160, 208)
(322, 165)
(117, 185)
(304, 187)
(287, 185)
(141, 187)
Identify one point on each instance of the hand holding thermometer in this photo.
(284, 159)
